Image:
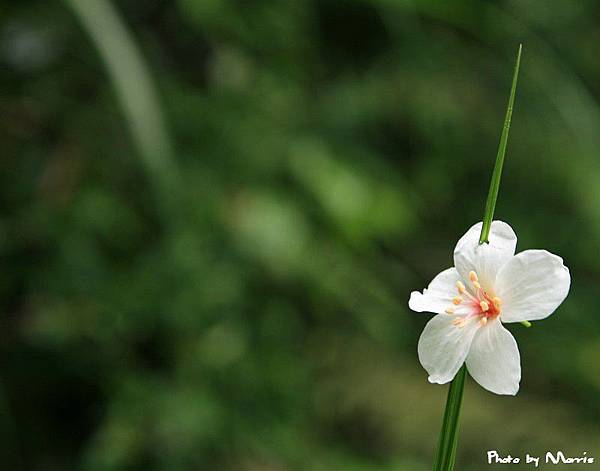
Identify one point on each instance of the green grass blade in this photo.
(137, 95)
(446, 453)
(449, 435)
(490, 204)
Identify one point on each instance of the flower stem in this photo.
(490, 204)
(446, 453)
(448, 436)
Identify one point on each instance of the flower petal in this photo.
(443, 346)
(437, 297)
(494, 361)
(485, 259)
(532, 285)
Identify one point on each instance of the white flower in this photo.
(489, 285)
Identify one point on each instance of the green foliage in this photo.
(328, 155)
(492, 198)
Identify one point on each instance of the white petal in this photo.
(437, 297)
(485, 259)
(532, 285)
(494, 360)
(443, 346)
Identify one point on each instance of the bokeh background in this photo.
(214, 211)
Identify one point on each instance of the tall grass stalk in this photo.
(136, 93)
(446, 453)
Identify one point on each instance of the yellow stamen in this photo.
(484, 306)
(450, 310)
(477, 285)
(473, 276)
(497, 302)
(457, 300)
(461, 288)
(483, 321)
(460, 322)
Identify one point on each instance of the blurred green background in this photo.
(214, 211)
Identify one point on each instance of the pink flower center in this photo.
(480, 304)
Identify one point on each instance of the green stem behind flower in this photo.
(447, 448)
(446, 453)
(490, 204)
